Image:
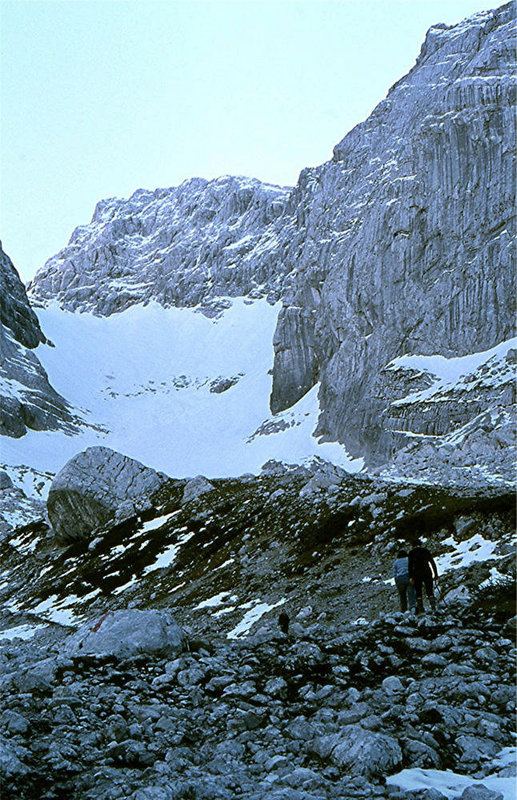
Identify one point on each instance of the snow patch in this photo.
(216, 600)
(153, 524)
(58, 611)
(168, 556)
(449, 783)
(466, 553)
(20, 632)
(453, 372)
(251, 617)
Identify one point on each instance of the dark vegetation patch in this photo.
(259, 538)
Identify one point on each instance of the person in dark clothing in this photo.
(421, 569)
(405, 588)
(283, 621)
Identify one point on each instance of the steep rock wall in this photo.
(15, 310)
(405, 240)
(27, 400)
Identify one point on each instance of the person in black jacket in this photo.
(421, 569)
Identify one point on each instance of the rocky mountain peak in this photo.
(179, 246)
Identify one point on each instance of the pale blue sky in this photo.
(101, 98)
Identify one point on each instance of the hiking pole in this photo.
(439, 593)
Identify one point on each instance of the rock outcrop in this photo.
(195, 488)
(15, 310)
(402, 243)
(27, 400)
(98, 486)
(426, 415)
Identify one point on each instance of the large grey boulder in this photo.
(195, 488)
(96, 487)
(360, 751)
(126, 633)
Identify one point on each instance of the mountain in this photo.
(399, 246)
(180, 246)
(406, 238)
(214, 328)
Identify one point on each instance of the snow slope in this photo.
(180, 392)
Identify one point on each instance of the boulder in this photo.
(10, 763)
(127, 633)
(363, 752)
(37, 677)
(392, 685)
(480, 792)
(195, 488)
(96, 487)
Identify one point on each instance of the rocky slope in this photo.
(27, 400)
(312, 529)
(402, 243)
(354, 694)
(323, 715)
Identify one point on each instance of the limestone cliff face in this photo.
(27, 400)
(15, 310)
(179, 246)
(402, 243)
(405, 237)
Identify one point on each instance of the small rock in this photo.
(276, 687)
(5, 481)
(392, 685)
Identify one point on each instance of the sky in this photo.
(99, 98)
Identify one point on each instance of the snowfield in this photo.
(152, 383)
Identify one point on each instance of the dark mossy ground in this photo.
(264, 539)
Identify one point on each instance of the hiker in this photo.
(404, 586)
(421, 568)
(283, 621)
